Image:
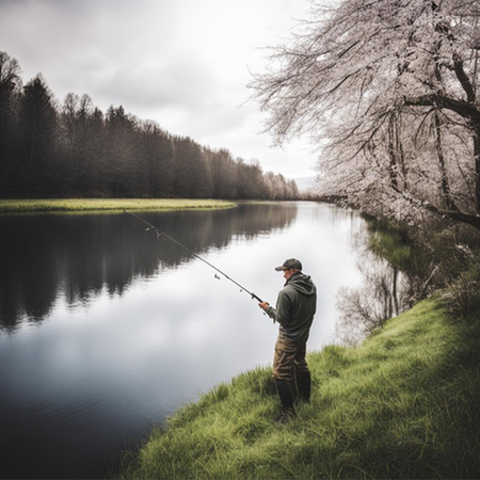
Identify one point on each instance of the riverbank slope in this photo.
(91, 204)
(404, 404)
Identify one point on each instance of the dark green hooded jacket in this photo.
(296, 306)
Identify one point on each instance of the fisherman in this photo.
(295, 308)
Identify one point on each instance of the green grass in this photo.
(89, 204)
(404, 404)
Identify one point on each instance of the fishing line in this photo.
(160, 234)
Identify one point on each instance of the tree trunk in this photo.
(392, 153)
(395, 291)
(476, 152)
(399, 148)
(449, 204)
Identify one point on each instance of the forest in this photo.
(73, 149)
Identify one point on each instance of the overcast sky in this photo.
(183, 63)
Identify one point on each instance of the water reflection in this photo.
(77, 256)
(394, 273)
(132, 328)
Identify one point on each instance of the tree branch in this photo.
(461, 107)
(463, 79)
(473, 220)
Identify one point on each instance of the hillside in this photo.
(404, 404)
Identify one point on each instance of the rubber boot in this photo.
(304, 385)
(286, 399)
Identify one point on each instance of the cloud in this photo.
(181, 81)
(183, 64)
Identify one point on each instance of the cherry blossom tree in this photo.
(387, 89)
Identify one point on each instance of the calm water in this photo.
(105, 330)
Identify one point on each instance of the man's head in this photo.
(290, 267)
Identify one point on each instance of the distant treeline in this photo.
(75, 149)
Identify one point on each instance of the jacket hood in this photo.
(302, 284)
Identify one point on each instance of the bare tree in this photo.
(224, 173)
(157, 160)
(192, 174)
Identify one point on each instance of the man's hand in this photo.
(264, 305)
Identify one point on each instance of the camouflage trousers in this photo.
(289, 359)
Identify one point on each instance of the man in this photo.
(296, 306)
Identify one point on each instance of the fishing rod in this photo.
(160, 233)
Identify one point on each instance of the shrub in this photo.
(462, 298)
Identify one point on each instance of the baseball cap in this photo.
(291, 263)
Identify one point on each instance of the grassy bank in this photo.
(404, 404)
(87, 204)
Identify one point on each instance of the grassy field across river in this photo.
(86, 204)
(404, 404)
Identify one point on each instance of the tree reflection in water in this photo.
(44, 256)
(395, 274)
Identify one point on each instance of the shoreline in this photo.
(110, 205)
(387, 407)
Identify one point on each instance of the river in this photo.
(106, 330)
